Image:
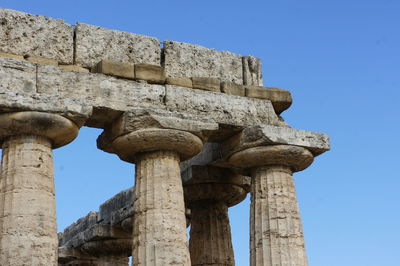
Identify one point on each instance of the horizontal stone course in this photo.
(36, 36)
(93, 44)
(189, 60)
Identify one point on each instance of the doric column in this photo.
(276, 235)
(208, 193)
(159, 228)
(28, 230)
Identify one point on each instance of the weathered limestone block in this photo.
(28, 230)
(38, 36)
(233, 89)
(74, 68)
(43, 61)
(94, 44)
(117, 209)
(150, 73)
(209, 192)
(108, 67)
(17, 75)
(252, 71)
(281, 99)
(207, 84)
(255, 136)
(8, 55)
(76, 110)
(100, 91)
(222, 108)
(183, 82)
(189, 60)
(74, 256)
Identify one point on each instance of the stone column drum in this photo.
(28, 229)
(276, 235)
(159, 229)
(208, 193)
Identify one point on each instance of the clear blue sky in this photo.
(341, 61)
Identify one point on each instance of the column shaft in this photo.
(276, 236)
(28, 230)
(210, 235)
(159, 230)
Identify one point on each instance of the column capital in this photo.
(58, 129)
(297, 158)
(148, 130)
(209, 183)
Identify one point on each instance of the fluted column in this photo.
(159, 233)
(159, 227)
(276, 235)
(208, 193)
(28, 229)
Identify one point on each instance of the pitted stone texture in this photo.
(276, 235)
(99, 90)
(27, 206)
(31, 35)
(115, 210)
(210, 235)
(189, 60)
(252, 71)
(74, 109)
(14, 56)
(17, 75)
(139, 118)
(255, 136)
(94, 44)
(222, 108)
(159, 232)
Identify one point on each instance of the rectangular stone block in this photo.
(207, 84)
(252, 71)
(281, 99)
(103, 92)
(8, 55)
(150, 73)
(74, 68)
(233, 89)
(222, 108)
(109, 210)
(255, 136)
(123, 70)
(142, 118)
(189, 60)
(183, 82)
(94, 44)
(43, 61)
(17, 75)
(37, 36)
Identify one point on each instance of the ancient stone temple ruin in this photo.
(197, 123)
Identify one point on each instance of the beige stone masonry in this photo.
(43, 61)
(183, 82)
(209, 192)
(123, 70)
(74, 68)
(232, 88)
(20, 57)
(281, 99)
(28, 230)
(206, 83)
(252, 71)
(150, 73)
(276, 235)
(74, 256)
